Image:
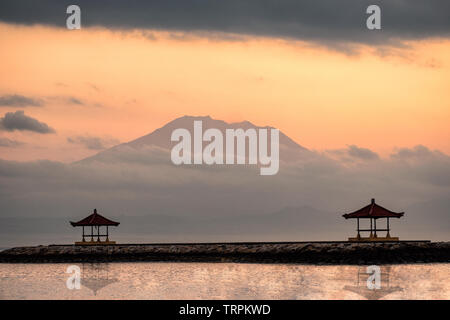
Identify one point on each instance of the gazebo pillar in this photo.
(388, 235)
(357, 227)
(375, 227)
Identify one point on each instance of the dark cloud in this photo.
(409, 153)
(65, 100)
(5, 142)
(74, 100)
(353, 152)
(429, 165)
(362, 153)
(325, 21)
(21, 122)
(16, 100)
(93, 143)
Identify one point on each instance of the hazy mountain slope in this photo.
(159, 140)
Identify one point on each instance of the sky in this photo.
(125, 74)
(376, 99)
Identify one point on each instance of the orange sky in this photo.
(131, 85)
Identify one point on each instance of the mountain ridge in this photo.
(160, 137)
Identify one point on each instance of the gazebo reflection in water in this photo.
(361, 287)
(95, 276)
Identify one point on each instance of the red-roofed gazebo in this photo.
(373, 212)
(95, 220)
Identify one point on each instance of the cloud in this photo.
(16, 100)
(431, 166)
(93, 143)
(19, 121)
(327, 22)
(127, 181)
(353, 152)
(94, 87)
(74, 100)
(418, 151)
(5, 142)
(361, 153)
(65, 100)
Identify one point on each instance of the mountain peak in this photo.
(195, 117)
(162, 137)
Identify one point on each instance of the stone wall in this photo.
(307, 253)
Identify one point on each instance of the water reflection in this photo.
(95, 276)
(223, 281)
(362, 288)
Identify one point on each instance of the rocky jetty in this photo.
(285, 252)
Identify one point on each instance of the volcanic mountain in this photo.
(159, 140)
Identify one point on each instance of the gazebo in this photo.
(373, 212)
(95, 220)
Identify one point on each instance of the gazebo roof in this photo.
(94, 219)
(373, 210)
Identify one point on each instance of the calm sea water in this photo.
(223, 281)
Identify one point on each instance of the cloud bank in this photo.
(93, 143)
(322, 21)
(311, 193)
